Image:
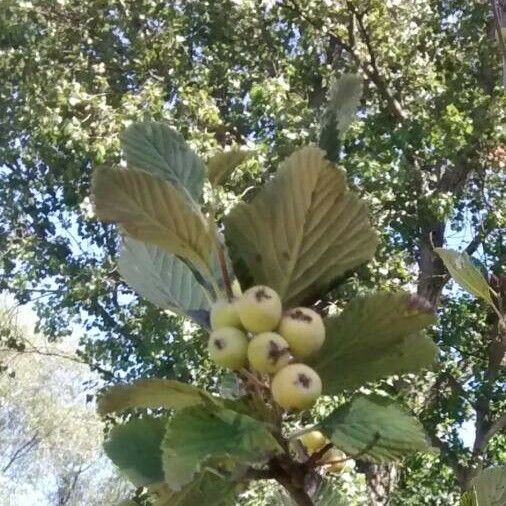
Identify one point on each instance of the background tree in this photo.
(427, 153)
(50, 437)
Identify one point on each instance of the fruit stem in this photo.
(300, 432)
(224, 270)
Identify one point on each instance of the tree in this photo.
(426, 153)
(51, 440)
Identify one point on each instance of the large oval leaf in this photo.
(223, 163)
(490, 487)
(206, 488)
(135, 448)
(375, 427)
(303, 230)
(162, 278)
(200, 433)
(374, 337)
(152, 210)
(343, 101)
(465, 273)
(157, 148)
(151, 393)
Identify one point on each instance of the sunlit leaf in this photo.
(465, 273)
(151, 209)
(150, 393)
(490, 487)
(200, 433)
(223, 163)
(135, 448)
(157, 148)
(343, 101)
(303, 230)
(374, 337)
(375, 427)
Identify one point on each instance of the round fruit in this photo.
(336, 461)
(259, 309)
(228, 347)
(268, 352)
(313, 441)
(296, 386)
(224, 314)
(304, 331)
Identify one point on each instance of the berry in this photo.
(313, 441)
(268, 352)
(259, 309)
(336, 461)
(228, 347)
(224, 314)
(304, 331)
(296, 386)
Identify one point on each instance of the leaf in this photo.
(151, 393)
(465, 273)
(162, 278)
(343, 102)
(157, 148)
(303, 230)
(469, 498)
(223, 163)
(207, 488)
(374, 337)
(200, 433)
(135, 449)
(490, 486)
(376, 427)
(150, 209)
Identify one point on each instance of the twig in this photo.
(313, 461)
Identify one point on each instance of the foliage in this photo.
(204, 434)
(48, 430)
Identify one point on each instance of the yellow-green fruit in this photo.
(228, 347)
(296, 386)
(268, 352)
(304, 331)
(259, 309)
(224, 314)
(313, 441)
(335, 459)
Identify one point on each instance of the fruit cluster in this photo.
(254, 330)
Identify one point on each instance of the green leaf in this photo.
(469, 498)
(157, 148)
(201, 433)
(376, 427)
(206, 488)
(223, 163)
(343, 101)
(152, 210)
(373, 337)
(151, 393)
(162, 278)
(303, 230)
(135, 448)
(465, 273)
(490, 487)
